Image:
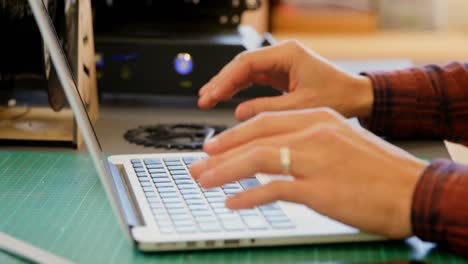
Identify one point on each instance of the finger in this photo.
(239, 73)
(268, 125)
(268, 193)
(198, 167)
(253, 107)
(257, 160)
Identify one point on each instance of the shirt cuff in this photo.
(439, 210)
(394, 110)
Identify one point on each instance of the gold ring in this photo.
(285, 159)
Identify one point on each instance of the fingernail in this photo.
(245, 113)
(196, 167)
(212, 144)
(207, 177)
(203, 100)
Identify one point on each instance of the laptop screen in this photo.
(62, 67)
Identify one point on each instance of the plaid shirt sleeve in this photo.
(440, 209)
(430, 102)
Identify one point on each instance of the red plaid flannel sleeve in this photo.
(429, 102)
(440, 207)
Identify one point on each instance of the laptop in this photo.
(161, 208)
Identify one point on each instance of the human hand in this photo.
(308, 80)
(340, 170)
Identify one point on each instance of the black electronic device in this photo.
(172, 48)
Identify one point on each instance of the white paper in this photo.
(458, 152)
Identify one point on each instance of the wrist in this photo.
(364, 96)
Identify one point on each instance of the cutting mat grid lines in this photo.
(55, 201)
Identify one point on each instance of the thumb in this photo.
(255, 106)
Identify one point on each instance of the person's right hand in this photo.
(308, 80)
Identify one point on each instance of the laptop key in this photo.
(194, 201)
(187, 186)
(137, 165)
(162, 180)
(169, 194)
(249, 183)
(159, 175)
(178, 172)
(198, 207)
(178, 181)
(210, 227)
(174, 206)
(214, 194)
(155, 166)
(166, 189)
(172, 200)
(175, 167)
(143, 179)
(269, 207)
(181, 177)
(146, 184)
(153, 199)
(148, 189)
(212, 190)
(150, 194)
(217, 205)
(255, 223)
(201, 213)
(185, 216)
(135, 161)
(186, 229)
(216, 199)
(157, 206)
(183, 222)
(174, 211)
(189, 191)
(232, 191)
(173, 163)
(193, 196)
(233, 225)
(206, 218)
(222, 210)
(248, 212)
(159, 211)
(140, 169)
(164, 185)
(157, 171)
(169, 159)
(272, 212)
(141, 174)
(152, 161)
(277, 218)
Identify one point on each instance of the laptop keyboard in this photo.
(180, 205)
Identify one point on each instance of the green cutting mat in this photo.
(55, 201)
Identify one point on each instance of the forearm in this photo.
(429, 102)
(439, 209)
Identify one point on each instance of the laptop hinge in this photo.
(127, 204)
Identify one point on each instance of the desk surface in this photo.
(54, 200)
(419, 47)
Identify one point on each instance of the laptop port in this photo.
(231, 242)
(191, 244)
(210, 243)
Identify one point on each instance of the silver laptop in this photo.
(161, 208)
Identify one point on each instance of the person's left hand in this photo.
(340, 170)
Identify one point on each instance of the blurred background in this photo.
(424, 31)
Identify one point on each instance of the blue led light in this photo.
(183, 63)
